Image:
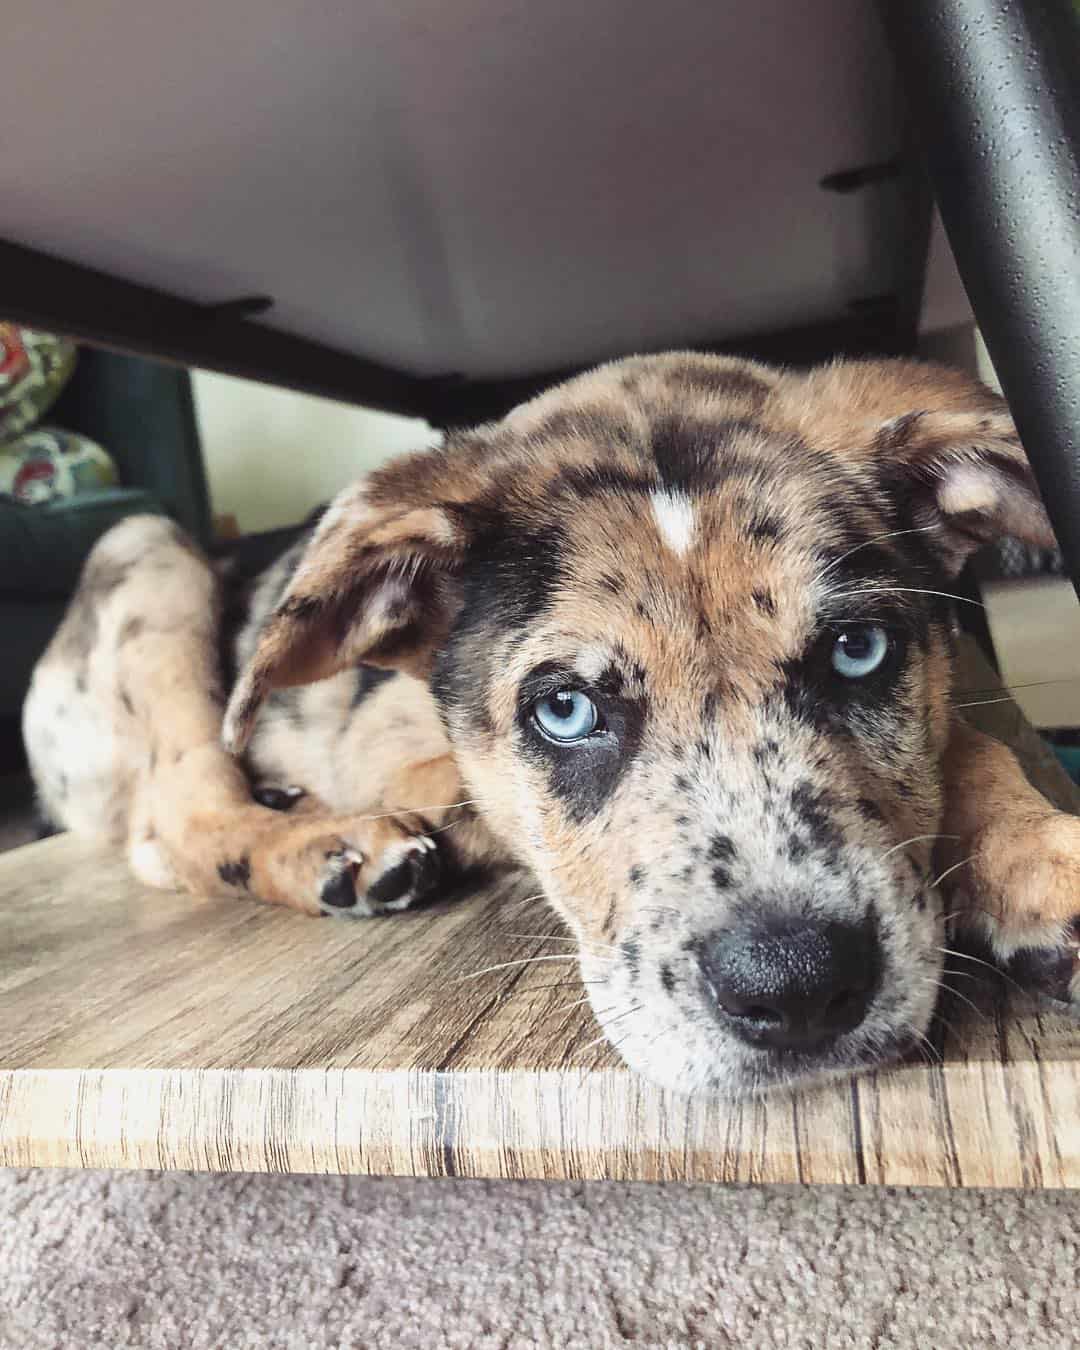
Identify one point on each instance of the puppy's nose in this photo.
(796, 987)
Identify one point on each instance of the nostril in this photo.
(728, 999)
(750, 1012)
(841, 1001)
(839, 1006)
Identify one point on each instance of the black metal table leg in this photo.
(996, 86)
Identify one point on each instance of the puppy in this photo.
(676, 636)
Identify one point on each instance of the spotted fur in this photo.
(680, 537)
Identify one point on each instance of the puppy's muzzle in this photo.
(792, 985)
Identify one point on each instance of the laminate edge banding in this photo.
(917, 1126)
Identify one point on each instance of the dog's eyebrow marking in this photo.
(674, 516)
(591, 662)
(764, 601)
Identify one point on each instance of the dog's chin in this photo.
(687, 1057)
(736, 1072)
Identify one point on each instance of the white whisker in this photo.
(966, 956)
(915, 839)
(506, 965)
(440, 828)
(955, 993)
(563, 984)
(930, 1046)
(962, 863)
(419, 810)
(949, 1027)
(903, 590)
(605, 1037)
(967, 908)
(528, 900)
(1030, 684)
(893, 534)
(595, 947)
(975, 960)
(963, 974)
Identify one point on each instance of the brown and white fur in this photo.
(745, 844)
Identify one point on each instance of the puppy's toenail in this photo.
(277, 799)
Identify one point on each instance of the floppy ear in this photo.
(943, 446)
(375, 585)
(964, 473)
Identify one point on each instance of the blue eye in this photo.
(566, 715)
(859, 650)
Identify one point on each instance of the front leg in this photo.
(1017, 879)
(348, 866)
(199, 829)
(221, 842)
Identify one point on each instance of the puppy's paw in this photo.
(1021, 896)
(346, 866)
(1051, 970)
(401, 875)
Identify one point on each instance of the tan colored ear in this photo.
(375, 585)
(964, 473)
(943, 445)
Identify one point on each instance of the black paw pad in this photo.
(1044, 970)
(339, 892)
(416, 874)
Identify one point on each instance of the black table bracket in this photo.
(995, 85)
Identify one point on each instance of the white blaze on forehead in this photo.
(674, 516)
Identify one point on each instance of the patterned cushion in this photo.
(48, 463)
(34, 367)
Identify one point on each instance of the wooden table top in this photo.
(144, 1029)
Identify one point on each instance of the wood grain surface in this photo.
(144, 1029)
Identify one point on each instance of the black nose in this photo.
(795, 986)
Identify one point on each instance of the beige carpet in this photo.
(183, 1262)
